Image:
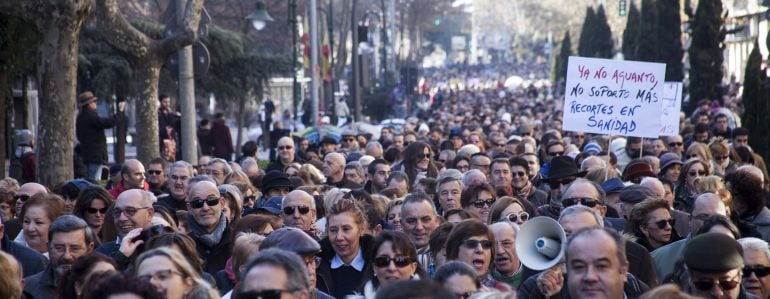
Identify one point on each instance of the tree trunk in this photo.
(147, 75)
(57, 66)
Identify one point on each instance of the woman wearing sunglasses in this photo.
(479, 199)
(394, 258)
(418, 162)
(652, 224)
(522, 185)
(91, 206)
(509, 209)
(345, 250)
(685, 189)
(472, 242)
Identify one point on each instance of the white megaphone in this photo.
(540, 243)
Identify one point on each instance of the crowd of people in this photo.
(430, 209)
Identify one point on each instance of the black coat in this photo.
(90, 132)
(216, 256)
(31, 261)
(324, 280)
(633, 288)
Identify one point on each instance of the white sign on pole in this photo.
(613, 97)
(671, 105)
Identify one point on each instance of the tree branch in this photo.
(118, 32)
(189, 31)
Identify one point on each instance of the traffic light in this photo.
(622, 8)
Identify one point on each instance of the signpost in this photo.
(671, 105)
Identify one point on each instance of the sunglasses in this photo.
(672, 144)
(154, 172)
(399, 261)
(588, 202)
(286, 147)
(662, 223)
(518, 174)
(555, 154)
(302, 210)
(557, 184)
(698, 173)
(473, 244)
(721, 158)
(249, 198)
(692, 156)
(21, 197)
(349, 139)
(759, 271)
(422, 156)
(705, 285)
(500, 144)
(264, 294)
(514, 217)
(198, 203)
(94, 210)
(481, 203)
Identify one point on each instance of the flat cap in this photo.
(291, 239)
(635, 194)
(713, 252)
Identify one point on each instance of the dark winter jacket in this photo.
(90, 132)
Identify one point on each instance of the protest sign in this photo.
(613, 97)
(671, 105)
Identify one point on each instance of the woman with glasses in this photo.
(522, 185)
(478, 199)
(461, 163)
(37, 215)
(417, 162)
(652, 224)
(473, 243)
(92, 206)
(345, 250)
(685, 189)
(721, 161)
(394, 258)
(172, 275)
(510, 209)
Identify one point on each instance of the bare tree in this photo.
(58, 23)
(146, 55)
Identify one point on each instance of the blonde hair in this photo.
(713, 184)
(199, 285)
(350, 205)
(10, 276)
(316, 175)
(666, 291)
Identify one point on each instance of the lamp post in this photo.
(259, 18)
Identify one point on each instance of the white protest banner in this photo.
(613, 97)
(672, 104)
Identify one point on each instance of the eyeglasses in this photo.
(400, 261)
(154, 172)
(249, 198)
(310, 261)
(302, 210)
(175, 178)
(588, 202)
(462, 168)
(161, 275)
(481, 203)
(473, 244)
(514, 217)
(210, 201)
(285, 147)
(518, 174)
(705, 285)
(94, 210)
(697, 173)
(662, 223)
(759, 271)
(555, 154)
(264, 294)
(500, 144)
(21, 197)
(721, 158)
(129, 211)
(557, 184)
(673, 144)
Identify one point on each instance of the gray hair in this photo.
(752, 170)
(179, 164)
(249, 162)
(447, 176)
(418, 197)
(757, 244)
(296, 272)
(355, 165)
(450, 154)
(575, 209)
(226, 166)
(70, 223)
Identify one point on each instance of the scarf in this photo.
(523, 193)
(208, 239)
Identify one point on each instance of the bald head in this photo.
(302, 196)
(132, 174)
(334, 167)
(591, 163)
(705, 206)
(202, 188)
(286, 150)
(32, 189)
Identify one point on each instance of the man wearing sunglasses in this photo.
(714, 262)
(563, 171)
(208, 225)
(299, 210)
(132, 212)
(156, 176)
(274, 274)
(675, 144)
(286, 155)
(756, 272)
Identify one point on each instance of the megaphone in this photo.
(540, 243)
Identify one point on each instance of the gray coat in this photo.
(41, 285)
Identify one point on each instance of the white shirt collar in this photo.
(358, 261)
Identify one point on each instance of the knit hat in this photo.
(592, 148)
(275, 179)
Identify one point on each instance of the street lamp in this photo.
(259, 17)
